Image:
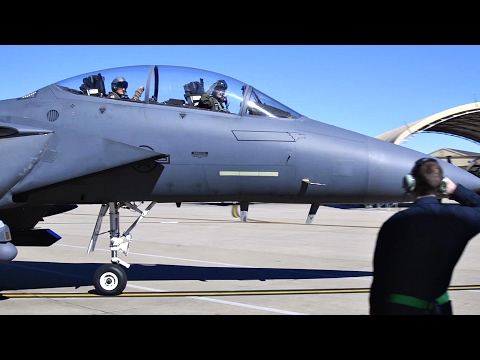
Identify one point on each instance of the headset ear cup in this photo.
(409, 183)
(443, 186)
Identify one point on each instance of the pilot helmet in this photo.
(119, 82)
(220, 85)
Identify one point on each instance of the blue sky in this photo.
(370, 89)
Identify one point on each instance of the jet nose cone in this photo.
(460, 176)
(389, 163)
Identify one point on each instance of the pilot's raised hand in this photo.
(210, 91)
(138, 93)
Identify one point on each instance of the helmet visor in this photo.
(122, 84)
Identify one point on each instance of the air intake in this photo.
(52, 115)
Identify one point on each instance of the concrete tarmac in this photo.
(200, 260)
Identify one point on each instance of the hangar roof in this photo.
(461, 121)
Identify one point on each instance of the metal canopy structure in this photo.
(461, 121)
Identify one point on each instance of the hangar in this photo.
(461, 121)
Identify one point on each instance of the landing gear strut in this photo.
(243, 211)
(111, 279)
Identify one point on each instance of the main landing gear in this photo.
(244, 212)
(111, 279)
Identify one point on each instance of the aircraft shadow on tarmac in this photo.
(22, 275)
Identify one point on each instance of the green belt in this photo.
(416, 302)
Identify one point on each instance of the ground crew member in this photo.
(119, 90)
(418, 248)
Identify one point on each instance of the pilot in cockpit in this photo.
(119, 90)
(214, 98)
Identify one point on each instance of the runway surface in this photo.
(200, 260)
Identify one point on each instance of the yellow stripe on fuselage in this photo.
(249, 173)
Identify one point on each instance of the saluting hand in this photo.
(451, 186)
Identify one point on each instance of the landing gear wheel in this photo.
(110, 279)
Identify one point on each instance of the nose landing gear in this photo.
(111, 279)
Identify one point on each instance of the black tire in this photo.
(110, 279)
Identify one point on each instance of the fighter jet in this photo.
(187, 135)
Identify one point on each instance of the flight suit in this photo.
(212, 103)
(416, 252)
(114, 95)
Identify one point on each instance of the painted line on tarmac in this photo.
(202, 295)
(218, 301)
(156, 293)
(165, 257)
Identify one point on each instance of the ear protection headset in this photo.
(409, 182)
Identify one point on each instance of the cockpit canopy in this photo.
(178, 86)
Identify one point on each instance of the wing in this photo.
(35, 160)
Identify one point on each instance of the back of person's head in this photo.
(427, 175)
(119, 82)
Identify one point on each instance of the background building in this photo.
(467, 160)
